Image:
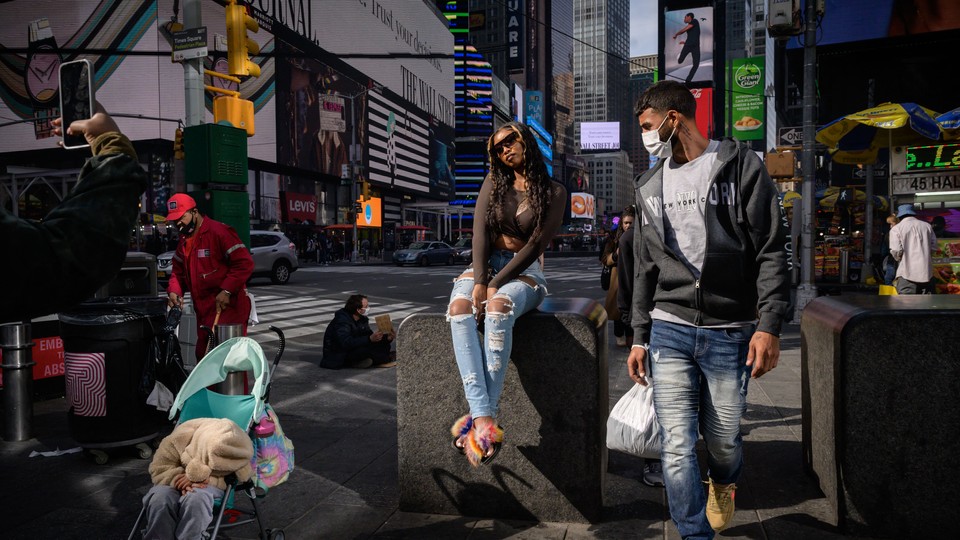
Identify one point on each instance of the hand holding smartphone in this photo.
(76, 99)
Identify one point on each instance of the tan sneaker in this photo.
(720, 505)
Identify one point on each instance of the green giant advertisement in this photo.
(748, 101)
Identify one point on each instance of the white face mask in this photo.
(653, 144)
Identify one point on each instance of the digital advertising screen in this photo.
(600, 135)
(687, 44)
(582, 205)
(860, 20)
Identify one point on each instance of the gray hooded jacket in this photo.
(744, 274)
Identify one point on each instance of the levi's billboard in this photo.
(299, 207)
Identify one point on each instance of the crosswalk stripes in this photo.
(566, 274)
(300, 317)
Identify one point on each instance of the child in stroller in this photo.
(215, 451)
(189, 471)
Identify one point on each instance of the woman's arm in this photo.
(481, 237)
(533, 248)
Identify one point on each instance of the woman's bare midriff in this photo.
(505, 241)
(509, 243)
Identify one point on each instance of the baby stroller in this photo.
(195, 400)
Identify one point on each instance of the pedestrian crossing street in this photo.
(302, 316)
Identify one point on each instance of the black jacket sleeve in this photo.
(768, 233)
(79, 246)
(645, 277)
(625, 277)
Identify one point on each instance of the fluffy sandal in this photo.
(459, 429)
(480, 442)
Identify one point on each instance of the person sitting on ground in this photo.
(189, 471)
(350, 342)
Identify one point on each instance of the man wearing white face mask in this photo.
(710, 294)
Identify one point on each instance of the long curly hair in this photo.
(535, 171)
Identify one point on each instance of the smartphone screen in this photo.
(76, 98)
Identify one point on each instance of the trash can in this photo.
(106, 345)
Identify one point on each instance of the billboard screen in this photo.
(859, 20)
(371, 31)
(704, 99)
(399, 149)
(748, 105)
(688, 45)
(600, 135)
(371, 212)
(582, 205)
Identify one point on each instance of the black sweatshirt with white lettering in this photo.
(744, 275)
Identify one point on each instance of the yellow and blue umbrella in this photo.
(855, 138)
(950, 123)
(788, 198)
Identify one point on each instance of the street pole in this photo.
(868, 188)
(193, 70)
(353, 171)
(807, 290)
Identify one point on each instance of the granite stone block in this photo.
(881, 411)
(553, 411)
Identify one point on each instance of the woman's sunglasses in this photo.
(509, 140)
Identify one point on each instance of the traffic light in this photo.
(178, 144)
(239, 46)
(364, 190)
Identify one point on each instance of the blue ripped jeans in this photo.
(483, 368)
(700, 378)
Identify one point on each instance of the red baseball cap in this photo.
(178, 205)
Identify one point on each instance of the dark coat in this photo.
(80, 245)
(344, 334)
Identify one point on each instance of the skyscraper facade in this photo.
(642, 76)
(600, 53)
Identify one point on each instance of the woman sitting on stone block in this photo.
(518, 212)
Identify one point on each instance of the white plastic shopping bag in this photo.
(254, 318)
(632, 426)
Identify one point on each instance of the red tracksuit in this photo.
(217, 261)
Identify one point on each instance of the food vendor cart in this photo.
(928, 176)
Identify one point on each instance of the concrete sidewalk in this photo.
(343, 424)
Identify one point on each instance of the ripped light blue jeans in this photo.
(483, 368)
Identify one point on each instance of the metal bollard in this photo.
(233, 384)
(17, 381)
(844, 266)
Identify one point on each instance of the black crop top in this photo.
(519, 225)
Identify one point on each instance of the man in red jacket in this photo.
(213, 264)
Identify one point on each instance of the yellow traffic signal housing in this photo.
(239, 46)
(364, 190)
(178, 144)
(235, 111)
